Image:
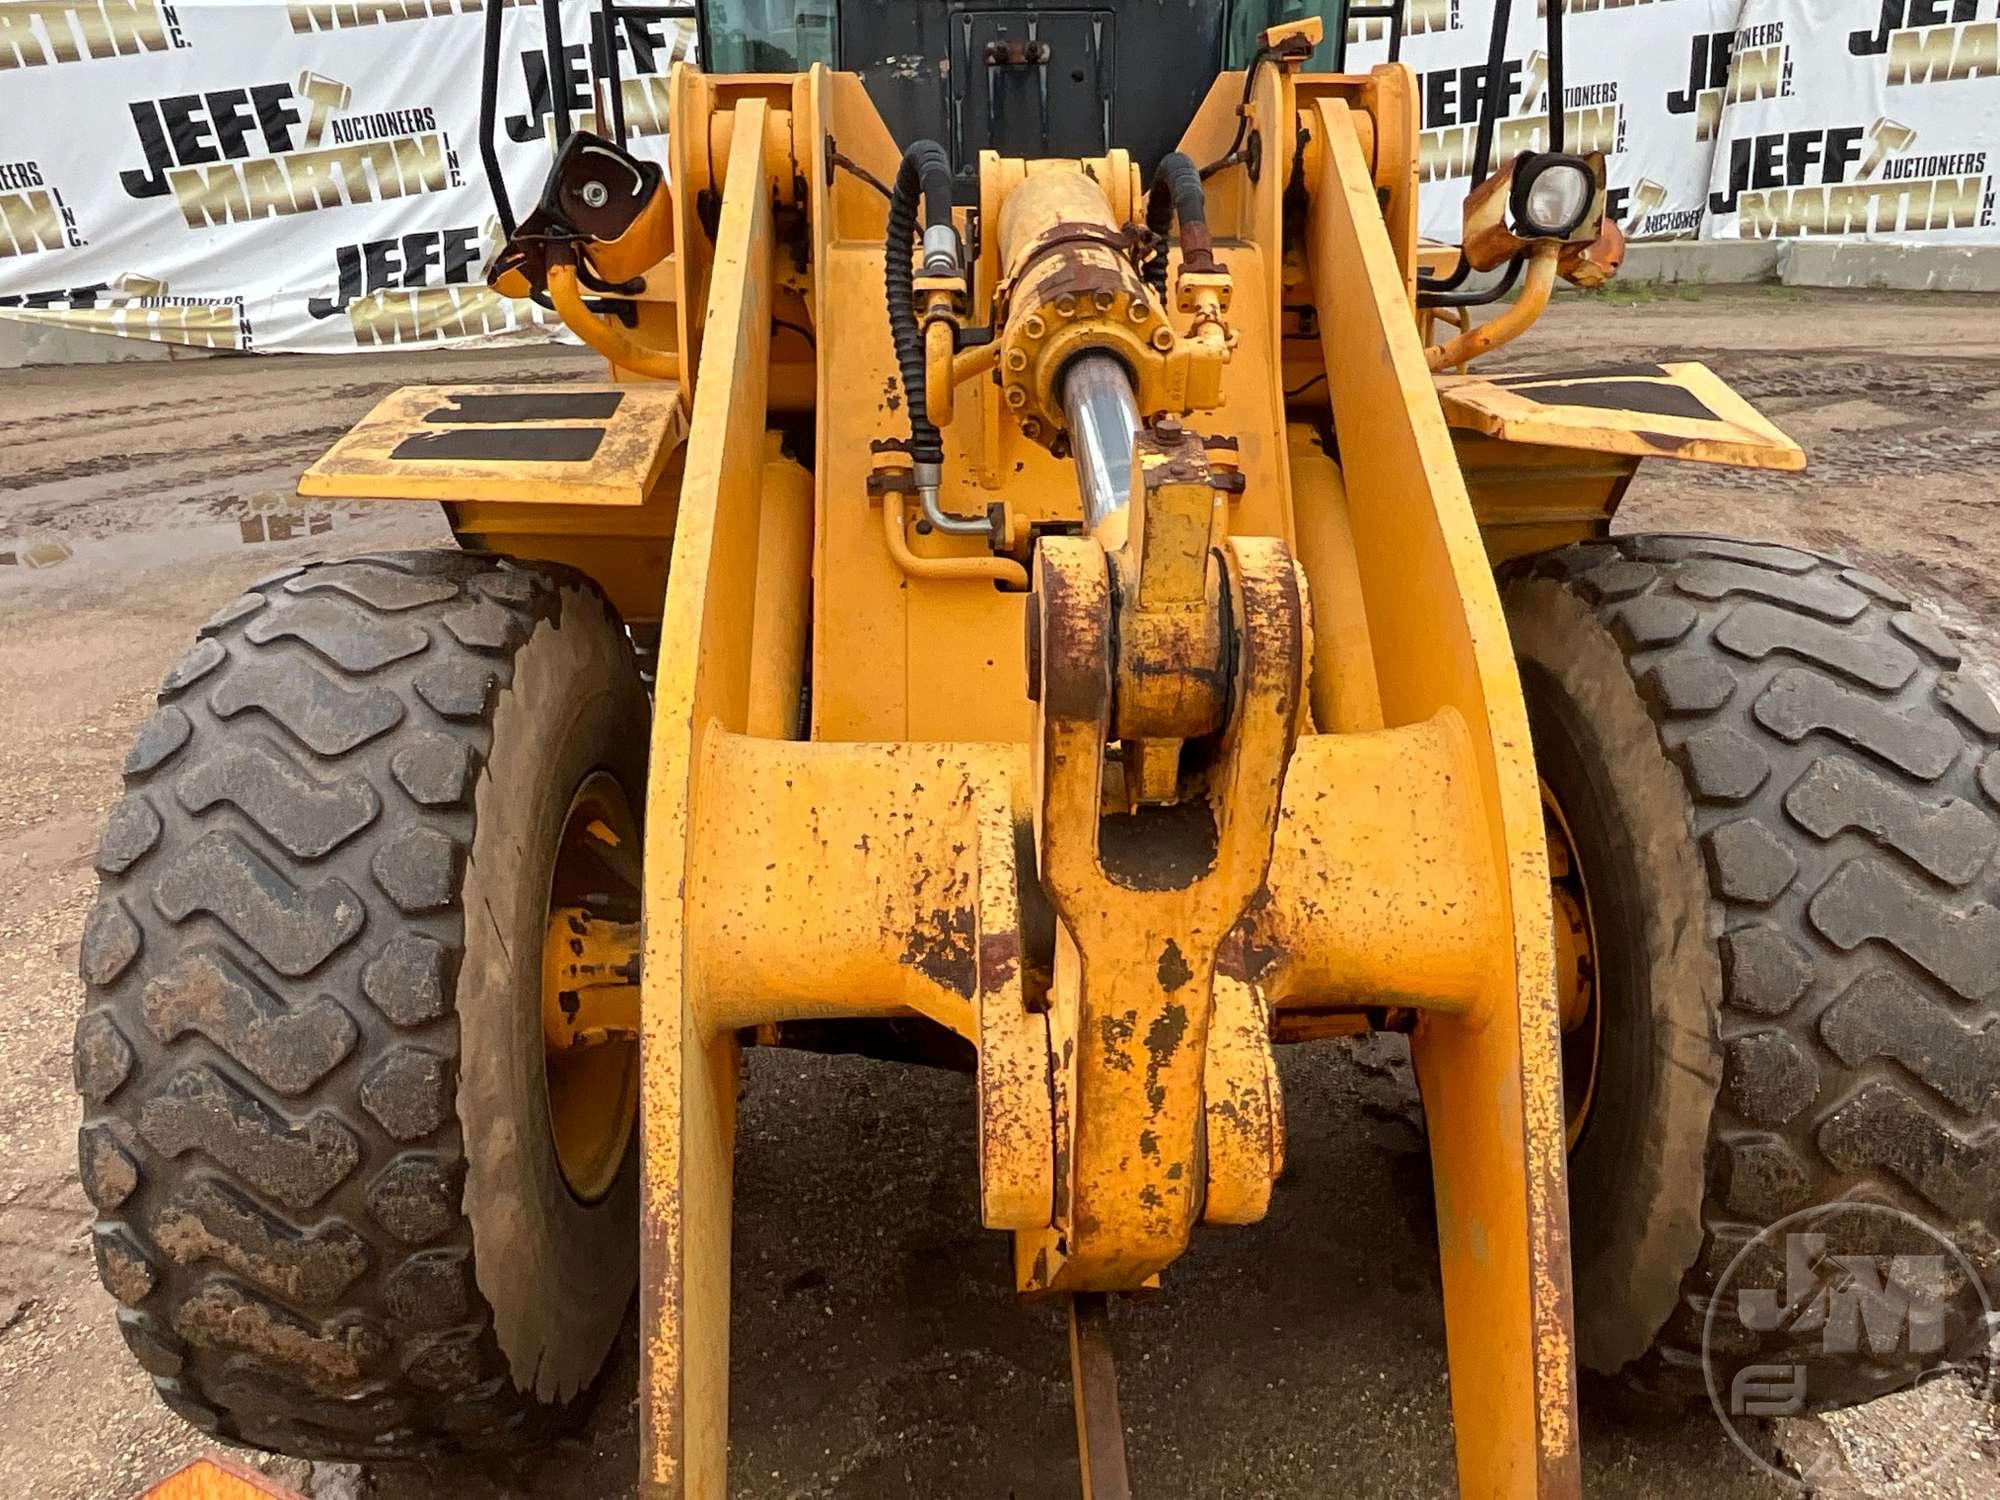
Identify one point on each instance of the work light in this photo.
(1552, 193)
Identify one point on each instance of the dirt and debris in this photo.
(878, 1351)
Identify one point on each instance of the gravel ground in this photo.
(877, 1351)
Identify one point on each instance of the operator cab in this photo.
(1062, 80)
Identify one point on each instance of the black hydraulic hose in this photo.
(559, 84)
(489, 93)
(1177, 197)
(1491, 104)
(1558, 109)
(925, 173)
(1483, 295)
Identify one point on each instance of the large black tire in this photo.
(316, 1121)
(1782, 795)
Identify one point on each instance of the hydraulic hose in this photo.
(1177, 197)
(925, 172)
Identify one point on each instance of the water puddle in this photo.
(173, 532)
(46, 553)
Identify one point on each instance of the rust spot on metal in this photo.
(1173, 967)
(1076, 677)
(1163, 1040)
(999, 957)
(1249, 952)
(1116, 1032)
(940, 947)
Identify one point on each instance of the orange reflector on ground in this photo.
(218, 1479)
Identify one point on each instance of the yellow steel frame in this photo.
(1377, 829)
(899, 887)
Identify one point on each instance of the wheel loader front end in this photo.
(1095, 637)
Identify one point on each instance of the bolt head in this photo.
(595, 194)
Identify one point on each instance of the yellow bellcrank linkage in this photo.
(1271, 758)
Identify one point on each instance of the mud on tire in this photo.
(1792, 789)
(277, 1124)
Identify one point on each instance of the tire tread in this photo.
(268, 1052)
(1840, 784)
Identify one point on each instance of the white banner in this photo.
(1643, 82)
(284, 176)
(306, 174)
(1886, 127)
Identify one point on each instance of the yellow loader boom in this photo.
(1072, 609)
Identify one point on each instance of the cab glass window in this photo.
(1249, 18)
(768, 36)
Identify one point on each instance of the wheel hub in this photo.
(1576, 970)
(590, 987)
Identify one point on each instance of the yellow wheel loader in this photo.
(1036, 588)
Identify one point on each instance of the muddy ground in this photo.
(876, 1350)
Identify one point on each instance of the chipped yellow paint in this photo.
(1147, 898)
(1242, 1107)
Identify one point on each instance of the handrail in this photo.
(608, 339)
(1511, 323)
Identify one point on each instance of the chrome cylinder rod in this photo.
(1103, 419)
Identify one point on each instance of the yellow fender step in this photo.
(592, 444)
(1683, 411)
